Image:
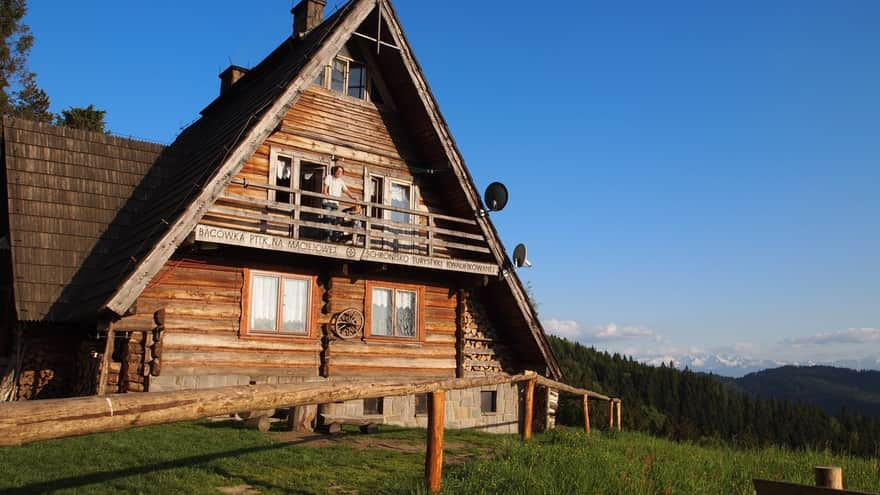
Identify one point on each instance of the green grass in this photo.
(201, 458)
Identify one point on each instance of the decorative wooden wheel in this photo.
(348, 323)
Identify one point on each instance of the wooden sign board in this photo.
(220, 235)
(766, 487)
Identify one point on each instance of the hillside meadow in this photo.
(215, 458)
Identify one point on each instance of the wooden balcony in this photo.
(359, 231)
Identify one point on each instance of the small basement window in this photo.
(277, 303)
(374, 407)
(422, 404)
(488, 401)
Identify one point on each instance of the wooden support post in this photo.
(618, 413)
(611, 414)
(434, 455)
(106, 358)
(528, 409)
(586, 414)
(829, 477)
(302, 418)
(259, 423)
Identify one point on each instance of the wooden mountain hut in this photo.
(317, 222)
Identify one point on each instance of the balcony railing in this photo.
(376, 230)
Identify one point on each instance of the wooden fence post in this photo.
(610, 414)
(618, 413)
(829, 477)
(528, 409)
(586, 414)
(434, 455)
(107, 357)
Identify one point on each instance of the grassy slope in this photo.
(200, 458)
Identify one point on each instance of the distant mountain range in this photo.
(826, 387)
(688, 405)
(738, 366)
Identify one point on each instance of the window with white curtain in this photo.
(393, 312)
(279, 303)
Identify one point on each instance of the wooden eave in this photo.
(147, 268)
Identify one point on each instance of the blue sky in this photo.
(690, 177)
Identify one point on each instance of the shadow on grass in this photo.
(106, 476)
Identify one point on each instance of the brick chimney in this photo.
(307, 15)
(230, 76)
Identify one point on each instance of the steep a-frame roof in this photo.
(63, 188)
(192, 172)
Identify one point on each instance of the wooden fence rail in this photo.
(30, 421)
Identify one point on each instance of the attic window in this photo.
(345, 76)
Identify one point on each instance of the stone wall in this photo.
(462, 410)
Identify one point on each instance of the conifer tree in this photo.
(19, 93)
(88, 118)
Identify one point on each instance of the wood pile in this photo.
(481, 352)
(552, 407)
(143, 357)
(41, 374)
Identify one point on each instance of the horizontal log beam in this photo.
(572, 390)
(25, 422)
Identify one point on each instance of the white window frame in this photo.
(386, 195)
(275, 156)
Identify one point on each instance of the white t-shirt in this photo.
(335, 186)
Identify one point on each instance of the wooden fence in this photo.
(25, 422)
(829, 481)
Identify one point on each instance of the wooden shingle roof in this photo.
(64, 188)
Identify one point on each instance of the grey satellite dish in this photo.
(519, 257)
(495, 196)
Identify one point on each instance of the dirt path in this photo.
(453, 454)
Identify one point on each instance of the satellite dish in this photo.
(495, 196)
(519, 257)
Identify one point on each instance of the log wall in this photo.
(323, 124)
(204, 345)
(432, 354)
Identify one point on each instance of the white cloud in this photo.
(849, 336)
(568, 329)
(613, 331)
(572, 330)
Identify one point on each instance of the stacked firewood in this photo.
(552, 406)
(482, 353)
(134, 379)
(40, 376)
(143, 356)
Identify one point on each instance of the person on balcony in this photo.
(334, 185)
